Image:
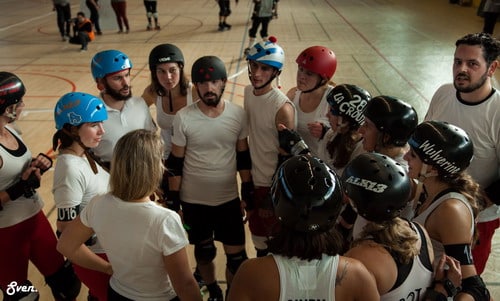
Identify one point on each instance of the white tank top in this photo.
(166, 120)
(422, 218)
(14, 163)
(263, 135)
(418, 279)
(307, 280)
(303, 118)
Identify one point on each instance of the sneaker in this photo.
(150, 27)
(63, 39)
(157, 27)
(83, 49)
(127, 31)
(226, 25)
(120, 31)
(99, 33)
(246, 51)
(221, 27)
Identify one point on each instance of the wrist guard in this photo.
(43, 170)
(23, 187)
(291, 142)
(173, 200)
(247, 192)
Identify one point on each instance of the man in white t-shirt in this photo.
(473, 104)
(111, 71)
(209, 147)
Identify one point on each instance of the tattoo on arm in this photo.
(338, 280)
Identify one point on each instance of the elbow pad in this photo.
(175, 165)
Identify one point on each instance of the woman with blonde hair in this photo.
(130, 225)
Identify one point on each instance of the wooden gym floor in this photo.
(394, 47)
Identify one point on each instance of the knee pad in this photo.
(64, 283)
(149, 14)
(155, 15)
(28, 292)
(235, 260)
(204, 253)
(475, 287)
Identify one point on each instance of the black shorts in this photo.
(223, 223)
(224, 8)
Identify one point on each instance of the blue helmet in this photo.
(268, 53)
(109, 61)
(76, 108)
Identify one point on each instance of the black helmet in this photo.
(378, 186)
(349, 101)
(442, 145)
(208, 68)
(12, 90)
(306, 194)
(393, 117)
(165, 53)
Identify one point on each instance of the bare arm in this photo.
(149, 96)
(286, 116)
(71, 245)
(177, 267)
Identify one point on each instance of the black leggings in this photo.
(63, 19)
(94, 15)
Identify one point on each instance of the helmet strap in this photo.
(319, 84)
(86, 149)
(424, 174)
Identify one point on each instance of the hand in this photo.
(454, 272)
(290, 141)
(316, 129)
(42, 162)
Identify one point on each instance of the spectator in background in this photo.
(491, 10)
(63, 11)
(261, 16)
(120, 9)
(93, 6)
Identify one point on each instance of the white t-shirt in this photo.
(318, 115)
(75, 184)
(482, 122)
(134, 115)
(136, 237)
(209, 173)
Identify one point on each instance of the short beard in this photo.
(115, 94)
(212, 103)
(473, 86)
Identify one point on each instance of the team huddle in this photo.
(346, 196)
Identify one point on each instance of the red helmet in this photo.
(318, 59)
